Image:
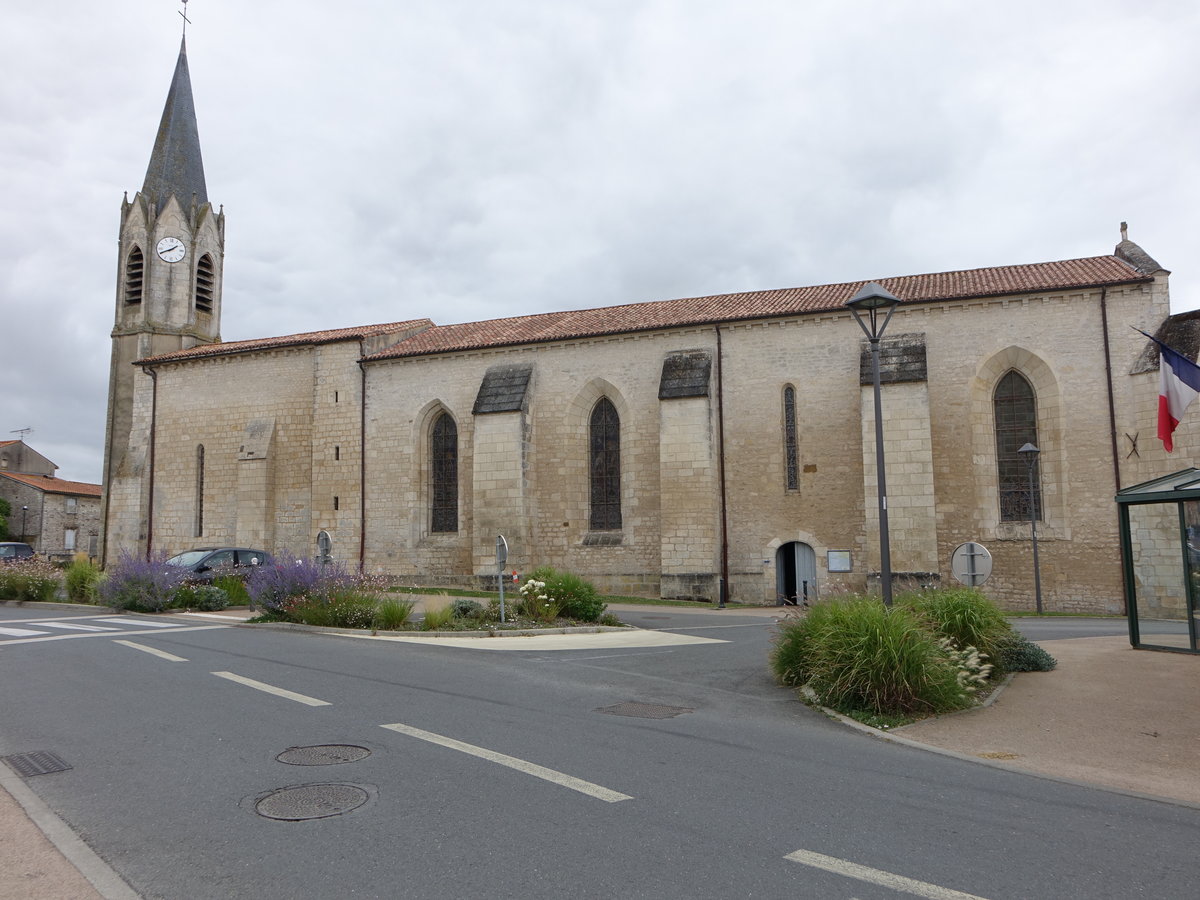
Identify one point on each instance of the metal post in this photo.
(870, 300)
(24, 512)
(1031, 454)
(885, 550)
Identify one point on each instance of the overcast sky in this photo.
(381, 160)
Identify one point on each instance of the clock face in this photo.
(171, 249)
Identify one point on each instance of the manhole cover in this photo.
(644, 710)
(39, 762)
(311, 801)
(323, 755)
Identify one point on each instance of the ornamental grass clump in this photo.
(82, 579)
(856, 654)
(393, 615)
(964, 615)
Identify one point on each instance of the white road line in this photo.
(107, 634)
(271, 689)
(877, 876)
(162, 654)
(71, 626)
(20, 632)
(143, 623)
(567, 781)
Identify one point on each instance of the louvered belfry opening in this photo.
(205, 280)
(135, 269)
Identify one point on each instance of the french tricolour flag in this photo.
(1178, 386)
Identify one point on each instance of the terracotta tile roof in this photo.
(55, 485)
(1067, 274)
(331, 336)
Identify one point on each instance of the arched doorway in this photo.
(795, 574)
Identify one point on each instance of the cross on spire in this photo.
(183, 15)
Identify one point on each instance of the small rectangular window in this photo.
(335, 503)
(335, 396)
(69, 539)
(337, 452)
(72, 504)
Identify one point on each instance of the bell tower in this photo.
(171, 252)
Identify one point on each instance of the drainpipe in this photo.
(1112, 425)
(724, 586)
(153, 424)
(362, 457)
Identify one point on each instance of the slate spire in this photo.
(175, 165)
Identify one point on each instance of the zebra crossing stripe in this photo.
(71, 626)
(141, 623)
(21, 632)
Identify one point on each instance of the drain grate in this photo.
(644, 710)
(39, 762)
(323, 755)
(311, 801)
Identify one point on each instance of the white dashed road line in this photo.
(877, 876)
(161, 654)
(520, 765)
(271, 689)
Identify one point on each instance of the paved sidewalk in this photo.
(1109, 715)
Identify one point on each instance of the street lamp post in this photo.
(1030, 454)
(866, 305)
(24, 512)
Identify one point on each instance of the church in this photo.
(717, 447)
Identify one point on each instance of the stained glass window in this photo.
(1016, 425)
(444, 453)
(605, 447)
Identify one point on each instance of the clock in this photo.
(171, 249)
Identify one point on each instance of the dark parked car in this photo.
(14, 551)
(207, 563)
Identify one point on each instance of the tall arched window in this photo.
(200, 490)
(1015, 407)
(205, 279)
(444, 487)
(791, 453)
(135, 267)
(605, 467)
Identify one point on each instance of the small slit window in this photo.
(791, 452)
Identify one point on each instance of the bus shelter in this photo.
(1160, 550)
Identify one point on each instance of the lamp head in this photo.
(872, 296)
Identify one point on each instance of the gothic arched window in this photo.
(605, 467)
(1015, 408)
(205, 279)
(200, 490)
(443, 452)
(791, 453)
(135, 268)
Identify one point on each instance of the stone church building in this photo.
(681, 448)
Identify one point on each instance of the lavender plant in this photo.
(139, 584)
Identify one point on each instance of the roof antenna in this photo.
(186, 20)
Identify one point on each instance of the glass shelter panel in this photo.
(1160, 581)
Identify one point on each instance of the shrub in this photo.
(30, 580)
(577, 597)
(858, 654)
(82, 579)
(272, 586)
(466, 608)
(346, 608)
(1019, 654)
(964, 615)
(234, 588)
(204, 597)
(140, 585)
(436, 619)
(609, 620)
(393, 615)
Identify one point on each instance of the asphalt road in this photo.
(529, 773)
